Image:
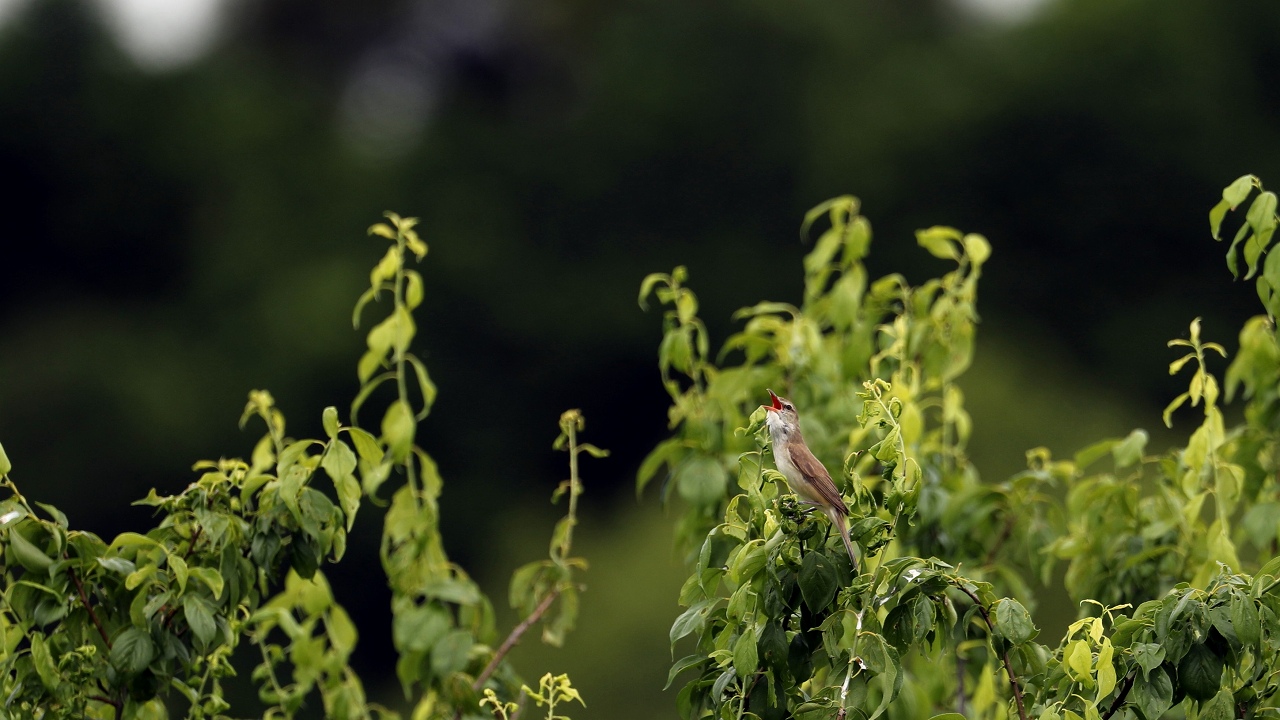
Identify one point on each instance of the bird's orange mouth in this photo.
(777, 402)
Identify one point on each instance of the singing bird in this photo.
(806, 476)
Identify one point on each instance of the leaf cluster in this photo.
(782, 624)
(117, 629)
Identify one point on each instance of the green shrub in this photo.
(934, 621)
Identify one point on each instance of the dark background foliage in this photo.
(177, 234)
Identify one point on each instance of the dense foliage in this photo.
(113, 629)
(1170, 555)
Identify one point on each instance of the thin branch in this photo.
(84, 600)
(516, 633)
(844, 690)
(853, 658)
(195, 537)
(1004, 653)
(1124, 692)
(117, 704)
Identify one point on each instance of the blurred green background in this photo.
(187, 184)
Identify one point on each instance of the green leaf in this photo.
(1221, 707)
(342, 632)
(386, 267)
(139, 576)
(766, 308)
(817, 580)
(686, 306)
(5, 465)
(521, 593)
(1232, 263)
(366, 367)
(1153, 694)
(772, 646)
(1238, 190)
(348, 497)
(425, 386)
(1262, 216)
(564, 618)
(46, 667)
(1013, 622)
(329, 419)
(211, 578)
(153, 709)
(1091, 454)
(1245, 619)
(365, 298)
(1148, 656)
(450, 654)
(939, 241)
(1129, 451)
(681, 665)
(1106, 672)
(398, 429)
(1079, 661)
(420, 627)
(415, 244)
(899, 626)
(339, 462)
(1252, 251)
(692, 619)
(1271, 269)
(1216, 216)
(750, 560)
(1167, 415)
(178, 567)
(117, 565)
(701, 480)
(646, 286)
(132, 651)
(745, 657)
(1200, 672)
(977, 248)
(199, 618)
(29, 556)
(366, 445)
(880, 659)
(413, 291)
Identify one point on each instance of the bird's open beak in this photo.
(777, 402)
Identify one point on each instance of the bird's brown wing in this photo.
(816, 474)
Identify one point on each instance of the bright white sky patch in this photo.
(162, 34)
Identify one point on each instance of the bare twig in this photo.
(1004, 653)
(1124, 692)
(195, 537)
(117, 704)
(516, 633)
(84, 600)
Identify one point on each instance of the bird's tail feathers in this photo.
(842, 524)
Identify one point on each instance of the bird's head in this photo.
(781, 415)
